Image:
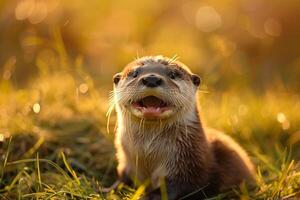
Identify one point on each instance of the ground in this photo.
(55, 142)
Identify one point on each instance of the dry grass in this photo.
(54, 143)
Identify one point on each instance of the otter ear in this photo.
(196, 79)
(117, 78)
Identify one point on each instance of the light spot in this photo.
(281, 117)
(24, 9)
(39, 13)
(83, 88)
(272, 27)
(34, 11)
(36, 108)
(208, 19)
(2, 137)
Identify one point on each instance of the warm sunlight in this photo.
(72, 128)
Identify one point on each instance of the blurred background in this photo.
(230, 43)
(57, 59)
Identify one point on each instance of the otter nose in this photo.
(152, 81)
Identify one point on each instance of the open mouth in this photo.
(151, 106)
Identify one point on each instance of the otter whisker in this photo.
(173, 59)
(144, 125)
(203, 91)
(160, 124)
(108, 119)
(186, 130)
(140, 125)
(111, 106)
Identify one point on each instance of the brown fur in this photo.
(177, 149)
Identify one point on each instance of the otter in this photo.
(160, 139)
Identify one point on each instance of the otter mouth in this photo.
(151, 106)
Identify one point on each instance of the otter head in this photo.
(155, 88)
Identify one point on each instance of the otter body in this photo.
(160, 138)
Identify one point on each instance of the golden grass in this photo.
(61, 150)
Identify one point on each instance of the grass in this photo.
(54, 143)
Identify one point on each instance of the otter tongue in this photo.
(152, 101)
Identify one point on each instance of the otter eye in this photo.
(117, 78)
(196, 79)
(173, 74)
(134, 73)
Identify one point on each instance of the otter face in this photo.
(155, 88)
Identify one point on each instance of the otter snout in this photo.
(151, 80)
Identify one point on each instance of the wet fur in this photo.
(177, 150)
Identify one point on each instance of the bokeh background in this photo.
(231, 43)
(57, 59)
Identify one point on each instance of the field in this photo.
(56, 66)
(54, 142)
